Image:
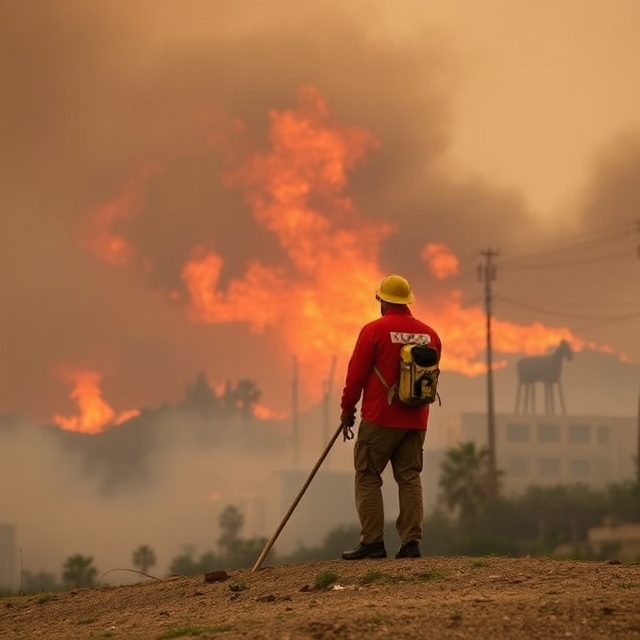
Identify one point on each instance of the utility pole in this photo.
(326, 402)
(487, 274)
(638, 450)
(295, 415)
(638, 428)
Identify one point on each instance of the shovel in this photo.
(274, 537)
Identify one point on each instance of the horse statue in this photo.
(545, 369)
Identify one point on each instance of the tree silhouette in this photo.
(247, 394)
(228, 398)
(186, 564)
(240, 398)
(200, 396)
(466, 482)
(78, 571)
(235, 551)
(231, 522)
(144, 558)
(39, 581)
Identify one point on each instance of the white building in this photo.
(548, 450)
(623, 539)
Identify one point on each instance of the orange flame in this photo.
(296, 191)
(262, 412)
(440, 260)
(463, 330)
(316, 302)
(252, 300)
(95, 413)
(97, 236)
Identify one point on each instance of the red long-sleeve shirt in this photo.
(379, 344)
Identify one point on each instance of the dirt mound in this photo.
(373, 599)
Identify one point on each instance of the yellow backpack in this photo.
(417, 382)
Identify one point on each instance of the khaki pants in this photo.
(375, 447)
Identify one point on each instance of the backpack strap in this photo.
(391, 390)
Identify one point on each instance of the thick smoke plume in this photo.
(193, 186)
(139, 112)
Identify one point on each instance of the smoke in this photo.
(190, 186)
(162, 479)
(123, 126)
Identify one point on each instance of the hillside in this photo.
(431, 597)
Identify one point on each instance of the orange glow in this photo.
(263, 412)
(440, 260)
(97, 236)
(295, 190)
(252, 300)
(95, 414)
(315, 301)
(463, 330)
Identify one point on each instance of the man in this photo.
(389, 430)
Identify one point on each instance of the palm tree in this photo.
(78, 571)
(200, 396)
(231, 522)
(247, 394)
(241, 398)
(466, 482)
(144, 558)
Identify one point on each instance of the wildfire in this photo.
(440, 260)
(296, 191)
(464, 335)
(316, 300)
(95, 414)
(97, 236)
(262, 412)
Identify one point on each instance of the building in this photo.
(547, 450)
(621, 540)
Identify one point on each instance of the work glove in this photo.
(347, 420)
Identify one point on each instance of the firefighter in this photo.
(389, 431)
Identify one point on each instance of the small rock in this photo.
(216, 576)
(267, 598)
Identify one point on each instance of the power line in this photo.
(567, 263)
(591, 238)
(569, 251)
(550, 312)
(590, 247)
(599, 303)
(609, 321)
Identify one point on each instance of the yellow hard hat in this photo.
(395, 289)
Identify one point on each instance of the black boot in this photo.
(409, 549)
(363, 551)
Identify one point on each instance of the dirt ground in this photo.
(430, 597)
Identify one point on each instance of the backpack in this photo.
(417, 382)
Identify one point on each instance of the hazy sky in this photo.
(542, 88)
(219, 186)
